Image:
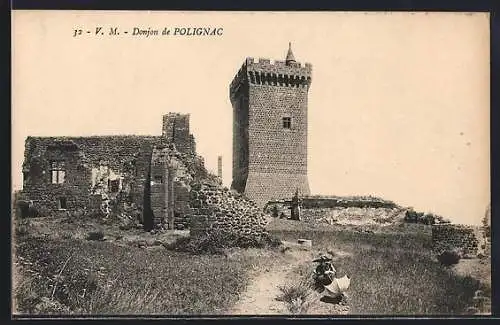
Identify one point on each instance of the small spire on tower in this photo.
(289, 56)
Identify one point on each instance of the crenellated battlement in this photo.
(275, 73)
(264, 62)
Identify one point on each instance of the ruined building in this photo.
(149, 173)
(153, 175)
(270, 128)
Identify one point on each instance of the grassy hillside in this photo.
(393, 272)
(63, 275)
(59, 271)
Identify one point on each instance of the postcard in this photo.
(175, 163)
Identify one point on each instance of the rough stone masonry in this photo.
(217, 208)
(451, 236)
(270, 128)
(65, 175)
(155, 173)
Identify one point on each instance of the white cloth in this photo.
(338, 286)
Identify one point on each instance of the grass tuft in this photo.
(296, 296)
(216, 242)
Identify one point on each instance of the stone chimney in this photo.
(219, 167)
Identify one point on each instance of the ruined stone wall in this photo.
(159, 189)
(182, 210)
(340, 210)
(452, 236)
(352, 215)
(176, 131)
(127, 156)
(192, 143)
(320, 201)
(169, 186)
(214, 207)
(38, 185)
(104, 171)
(341, 215)
(240, 137)
(276, 158)
(190, 168)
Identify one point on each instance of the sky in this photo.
(398, 106)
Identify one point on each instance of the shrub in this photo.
(428, 219)
(216, 241)
(411, 216)
(291, 292)
(296, 296)
(22, 227)
(95, 235)
(449, 257)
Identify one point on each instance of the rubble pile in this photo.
(217, 208)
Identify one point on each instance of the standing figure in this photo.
(295, 208)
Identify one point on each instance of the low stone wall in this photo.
(339, 214)
(348, 210)
(217, 208)
(322, 201)
(352, 216)
(330, 202)
(451, 236)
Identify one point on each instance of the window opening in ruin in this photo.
(57, 172)
(158, 179)
(287, 122)
(114, 185)
(62, 203)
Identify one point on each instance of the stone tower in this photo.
(270, 128)
(176, 130)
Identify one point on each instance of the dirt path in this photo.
(260, 296)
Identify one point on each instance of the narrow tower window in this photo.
(287, 122)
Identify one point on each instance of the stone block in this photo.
(305, 242)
